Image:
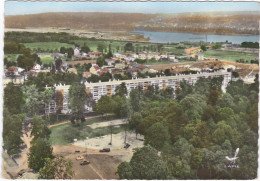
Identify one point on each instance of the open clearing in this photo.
(108, 123)
(117, 141)
(229, 55)
(47, 46)
(102, 165)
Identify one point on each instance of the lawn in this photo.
(47, 60)
(65, 133)
(229, 55)
(47, 46)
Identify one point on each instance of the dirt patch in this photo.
(117, 141)
(102, 165)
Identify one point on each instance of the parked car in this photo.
(105, 150)
(85, 162)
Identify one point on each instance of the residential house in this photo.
(110, 62)
(77, 51)
(86, 74)
(142, 69)
(94, 69)
(36, 67)
(72, 70)
(120, 65)
(95, 55)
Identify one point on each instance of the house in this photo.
(120, 66)
(199, 57)
(110, 62)
(133, 72)
(95, 55)
(77, 51)
(94, 69)
(72, 70)
(172, 58)
(86, 74)
(142, 69)
(101, 72)
(36, 67)
(12, 71)
(163, 55)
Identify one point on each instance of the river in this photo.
(173, 37)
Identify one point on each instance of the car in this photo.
(105, 150)
(79, 158)
(84, 162)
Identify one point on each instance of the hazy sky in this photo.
(15, 8)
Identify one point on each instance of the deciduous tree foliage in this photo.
(13, 98)
(39, 151)
(56, 168)
(78, 98)
(12, 129)
(157, 136)
(146, 164)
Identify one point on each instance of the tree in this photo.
(129, 47)
(193, 106)
(78, 97)
(100, 61)
(222, 133)
(121, 90)
(12, 129)
(146, 164)
(203, 47)
(34, 99)
(253, 117)
(178, 159)
(26, 61)
(196, 159)
(157, 136)
(201, 137)
(13, 98)
(39, 151)
(104, 105)
(85, 49)
(214, 94)
(39, 128)
(184, 90)
(101, 47)
(56, 168)
(124, 171)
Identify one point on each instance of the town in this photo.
(107, 95)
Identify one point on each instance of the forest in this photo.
(194, 132)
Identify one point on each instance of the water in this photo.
(171, 37)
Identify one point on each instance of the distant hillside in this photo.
(213, 22)
(88, 21)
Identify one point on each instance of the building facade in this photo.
(109, 88)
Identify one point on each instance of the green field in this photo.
(229, 55)
(65, 133)
(47, 60)
(47, 46)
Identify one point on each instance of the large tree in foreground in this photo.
(56, 168)
(13, 98)
(145, 164)
(39, 151)
(78, 97)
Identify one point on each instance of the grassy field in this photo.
(47, 60)
(229, 55)
(64, 134)
(47, 46)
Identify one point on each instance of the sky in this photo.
(20, 8)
